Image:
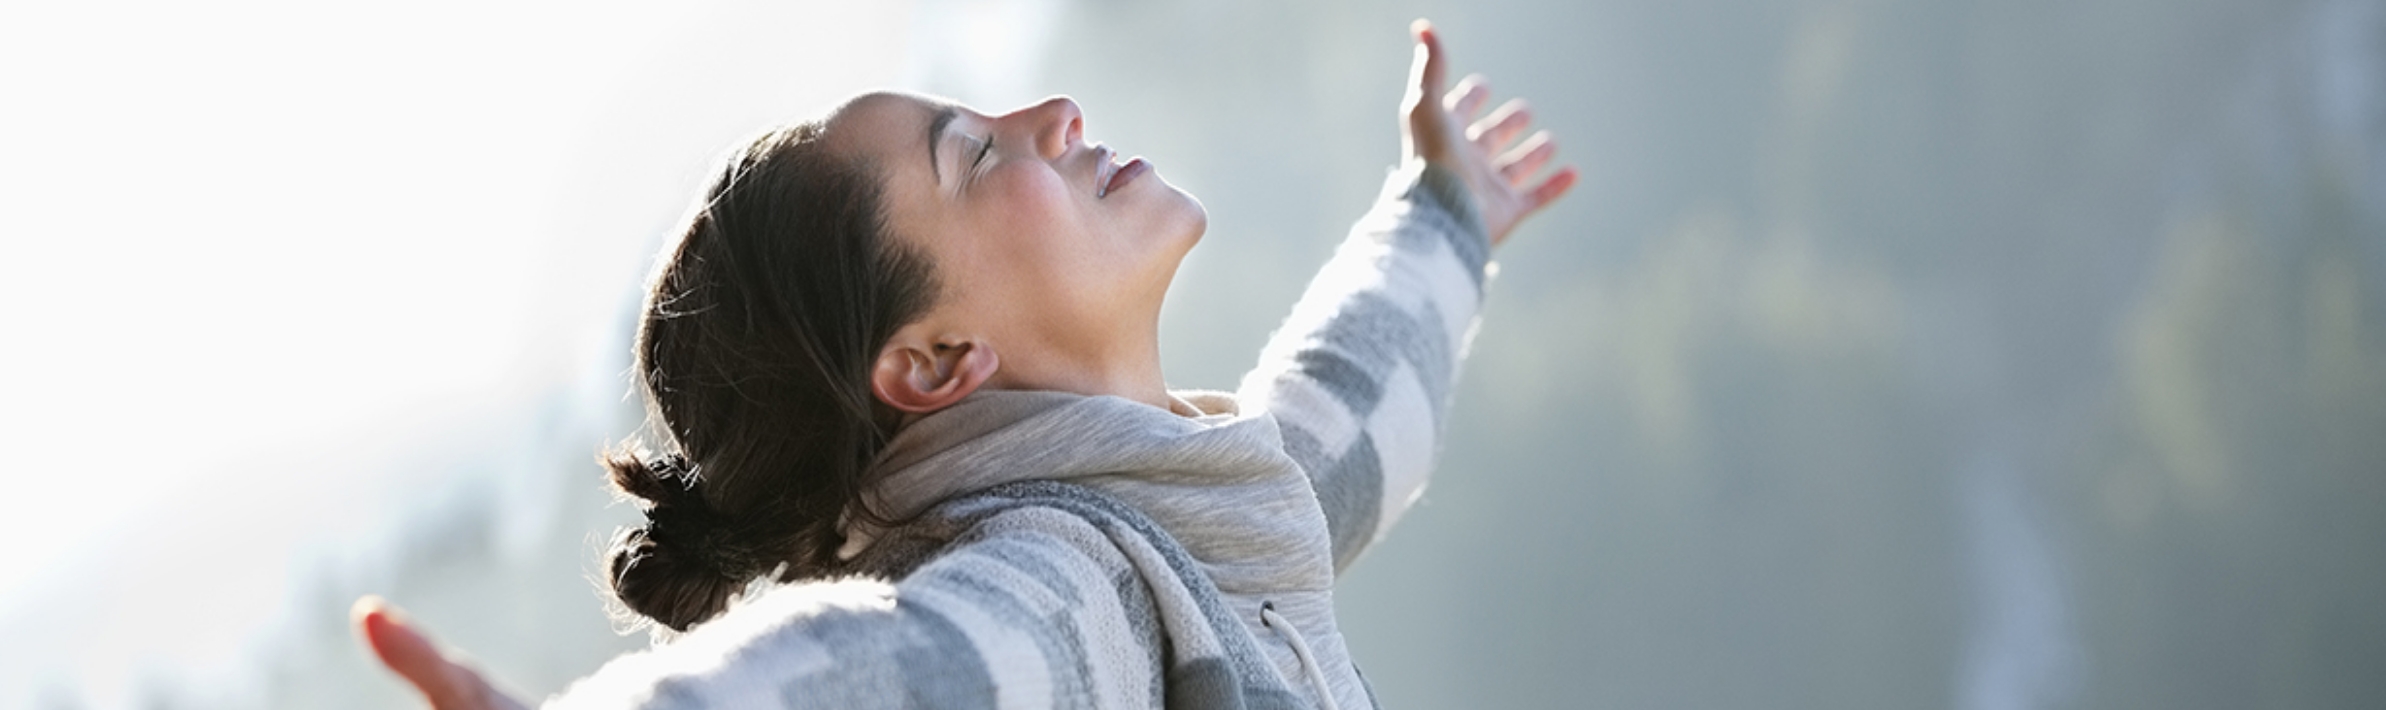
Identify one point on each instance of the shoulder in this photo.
(1020, 522)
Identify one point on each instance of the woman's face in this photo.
(1052, 249)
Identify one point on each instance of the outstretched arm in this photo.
(1027, 597)
(1360, 375)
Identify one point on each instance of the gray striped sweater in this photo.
(1092, 552)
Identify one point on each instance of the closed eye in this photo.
(988, 148)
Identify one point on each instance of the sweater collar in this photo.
(994, 437)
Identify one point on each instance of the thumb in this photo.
(1425, 72)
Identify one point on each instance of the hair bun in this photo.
(662, 480)
(678, 515)
(681, 567)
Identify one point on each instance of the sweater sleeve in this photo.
(1034, 614)
(1359, 376)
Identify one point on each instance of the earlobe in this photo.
(918, 381)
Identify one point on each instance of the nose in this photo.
(1058, 124)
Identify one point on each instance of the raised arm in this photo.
(1360, 375)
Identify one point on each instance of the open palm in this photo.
(1441, 128)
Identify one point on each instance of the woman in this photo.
(906, 361)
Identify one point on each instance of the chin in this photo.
(1189, 219)
(1186, 220)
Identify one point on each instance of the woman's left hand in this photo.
(1498, 170)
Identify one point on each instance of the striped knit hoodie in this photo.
(1060, 550)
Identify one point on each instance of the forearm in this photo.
(1006, 623)
(1360, 375)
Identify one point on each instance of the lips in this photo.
(1127, 173)
(1109, 176)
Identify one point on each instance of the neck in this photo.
(1130, 371)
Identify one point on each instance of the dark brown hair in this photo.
(754, 354)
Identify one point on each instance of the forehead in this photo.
(890, 131)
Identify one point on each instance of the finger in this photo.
(1526, 158)
(1551, 189)
(1502, 126)
(1467, 99)
(1426, 70)
(414, 657)
(404, 650)
(400, 647)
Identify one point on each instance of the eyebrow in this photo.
(936, 126)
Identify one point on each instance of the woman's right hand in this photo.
(1440, 128)
(441, 676)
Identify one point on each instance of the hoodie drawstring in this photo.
(1300, 648)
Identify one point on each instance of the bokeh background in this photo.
(2018, 354)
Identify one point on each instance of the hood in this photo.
(1217, 479)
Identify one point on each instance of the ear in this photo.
(922, 376)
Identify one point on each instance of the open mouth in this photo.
(1110, 174)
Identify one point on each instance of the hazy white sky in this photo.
(253, 251)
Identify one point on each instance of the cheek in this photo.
(1036, 221)
(1027, 194)
(1031, 249)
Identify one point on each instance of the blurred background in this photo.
(2020, 354)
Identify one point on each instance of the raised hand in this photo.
(1441, 129)
(444, 680)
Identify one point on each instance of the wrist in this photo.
(1447, 187)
